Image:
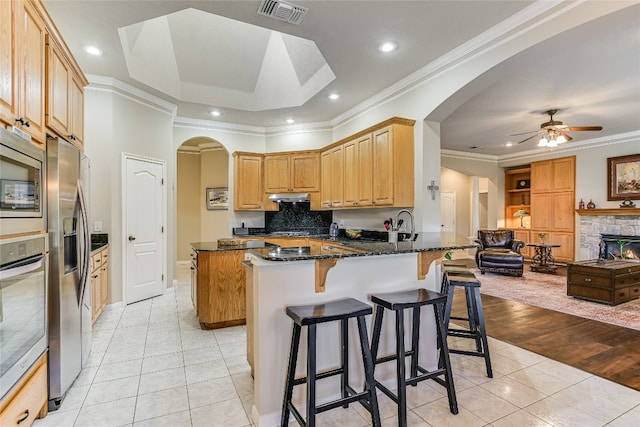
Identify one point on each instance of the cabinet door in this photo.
(104, 280)
(326, 179)
(566, 241)
(9, 61)
(542, 211)
(365, 171)
(305, 172)
(58, 77)
(32, 85)
(96, 299)
(337, 177)
(77, 112)
(523, 235)
(277, 174)
(382, 150)
(541, 176)
(564, 174)
(248, 191)
(350, 173)
(563, 212)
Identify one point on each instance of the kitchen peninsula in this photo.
(321, 273)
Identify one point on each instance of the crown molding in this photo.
(105, 83)
(224, 127)
(453, 154)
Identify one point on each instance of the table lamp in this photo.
(521, 213)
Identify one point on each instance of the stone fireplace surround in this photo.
(593, 226)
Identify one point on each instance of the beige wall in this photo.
(187, 203)
(214, 172)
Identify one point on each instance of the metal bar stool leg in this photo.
(369, 366)
(444, 358)
(483, 331)
(344, 359)
(311, 376)
(377, 328)
(400, 368)
(291, 372)
(415, 337)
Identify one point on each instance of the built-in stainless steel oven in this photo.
(22, 195)
(23, 306)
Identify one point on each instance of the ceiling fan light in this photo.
(561, 139)
(552, 143)
(543, 142)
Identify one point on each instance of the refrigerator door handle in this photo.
(86, 249)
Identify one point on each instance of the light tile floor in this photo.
(152, 365)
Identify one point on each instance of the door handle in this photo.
(132, 238)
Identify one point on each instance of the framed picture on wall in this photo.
(623, 177)
(217, 198)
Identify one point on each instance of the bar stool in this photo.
(398, 302)
(310, 316)
(454, 276)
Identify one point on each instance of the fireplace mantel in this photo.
(608, 212)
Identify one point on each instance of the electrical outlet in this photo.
(97, 226)
(341, 225)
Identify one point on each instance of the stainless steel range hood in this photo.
(289, 197)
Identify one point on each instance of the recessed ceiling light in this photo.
(334, 96)
(509, 144)
(215, 113)
(388, 47)
(290, 121)
(92, 50)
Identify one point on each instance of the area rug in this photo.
(550, 291)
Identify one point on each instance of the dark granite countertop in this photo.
(351, 248)
(247, 244)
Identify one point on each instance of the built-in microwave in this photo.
(22, 195)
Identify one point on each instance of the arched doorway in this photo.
(202, 163)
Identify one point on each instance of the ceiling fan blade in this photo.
(581, 128)
(524, 133)
(526, 139)
(566, 136)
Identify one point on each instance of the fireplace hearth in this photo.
(621, 247)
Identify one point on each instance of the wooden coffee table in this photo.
(542, 261)
(610, 281)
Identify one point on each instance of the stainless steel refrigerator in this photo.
(69, 258)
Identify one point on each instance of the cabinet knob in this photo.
(132, 238)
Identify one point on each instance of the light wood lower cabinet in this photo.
(99, 282)
(28, 399)
(220, 288)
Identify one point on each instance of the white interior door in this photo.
(448, 211)
(144, 198)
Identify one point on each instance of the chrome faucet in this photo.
(413, 226)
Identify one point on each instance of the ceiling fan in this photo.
(553, 132)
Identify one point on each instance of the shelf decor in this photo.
(623, 177)
(217, 198)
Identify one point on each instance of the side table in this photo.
(542, 261)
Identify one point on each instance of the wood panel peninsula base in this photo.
(277, 284)
(611, 282)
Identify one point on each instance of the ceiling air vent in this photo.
(283, 11)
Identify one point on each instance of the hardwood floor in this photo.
(605, 350)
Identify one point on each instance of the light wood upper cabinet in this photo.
(325, 180)
(65, 97)
(22, 68)
(337, 177)
(383, 167)
(9, 60)
(332, 178)
(564, 174)
(358, 166)
(248, 191)
(291, 172)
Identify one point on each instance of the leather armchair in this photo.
(499, 252)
